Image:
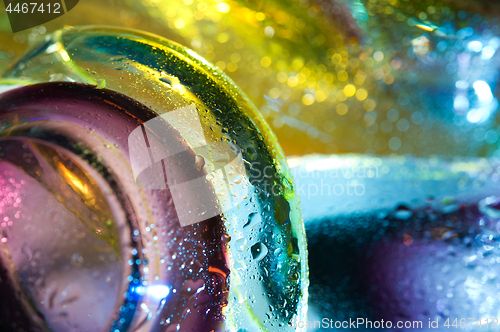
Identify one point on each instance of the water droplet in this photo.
(471, 261)
(166, 80)
(407, 240)
(490, 206)
(449, 235)
(240, 266)
(488, 247)
(253, 221)
(449, 208)
(225, 238)
(238, 179)
(259, 251)
(222, 158)
(240, 293)
(403, 213)
(101, 83)
(483, 221)
(241, 244)
(199, 162)
(27, 252)
(76, 260)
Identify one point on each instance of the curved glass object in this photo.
(141, 191)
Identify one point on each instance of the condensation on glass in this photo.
(140, 190)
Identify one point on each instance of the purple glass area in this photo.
(86, 249)
(401, 239)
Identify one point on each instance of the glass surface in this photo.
(414, 240)
(165, 171)
(405, 239)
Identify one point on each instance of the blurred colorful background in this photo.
(372, 76)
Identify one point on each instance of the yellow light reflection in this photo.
(73, 180)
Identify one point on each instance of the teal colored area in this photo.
(358, 11)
